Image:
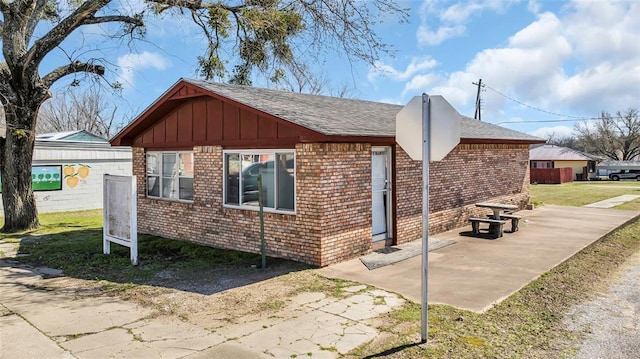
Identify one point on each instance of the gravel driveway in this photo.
(612, 319)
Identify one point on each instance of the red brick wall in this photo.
(332, 184)
(471, 173)
(333, 200)
(343, 197)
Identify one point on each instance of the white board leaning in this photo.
(120, 221)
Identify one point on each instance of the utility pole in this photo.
(477, 115)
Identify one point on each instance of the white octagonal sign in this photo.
(445, 127)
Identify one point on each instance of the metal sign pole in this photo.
(426, 135)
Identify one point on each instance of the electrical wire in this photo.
(569, 118)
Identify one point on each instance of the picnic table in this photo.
(497, 208)
(497, 220)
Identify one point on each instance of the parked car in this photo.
(625, 174)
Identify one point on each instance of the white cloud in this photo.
(554, 131)
(452, 19)
(420, 84)
(533, 6)
(130, 63)
(604, 31)
(416, 66)
(426, 36)
(585, 58)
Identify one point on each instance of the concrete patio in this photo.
(476, 273)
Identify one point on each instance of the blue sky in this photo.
(540, 60)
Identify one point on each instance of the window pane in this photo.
(167, 188)
(186, 164)
(153, 186)
(153, 163)
(168, 164)
(232, 165)
(254, 165)
(286, 181)
(186, 188)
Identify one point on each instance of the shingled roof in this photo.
(559, 153)
(336, 116)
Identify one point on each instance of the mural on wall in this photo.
(72, 175)
(45, 178)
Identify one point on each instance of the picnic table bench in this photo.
(515, 220)
(495, 225)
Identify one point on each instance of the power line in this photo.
(573, 118)
(536, 121)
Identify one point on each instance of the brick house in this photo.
(335, 183)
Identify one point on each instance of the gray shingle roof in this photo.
(558, 153)
(336, 116)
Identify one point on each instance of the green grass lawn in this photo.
(72, 241)
(582, 193)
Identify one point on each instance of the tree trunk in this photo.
(16, 155)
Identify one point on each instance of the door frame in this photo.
(389, 199)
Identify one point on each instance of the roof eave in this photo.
(468, 140)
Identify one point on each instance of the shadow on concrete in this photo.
(392, 351)
(161, 262)
(481, 235)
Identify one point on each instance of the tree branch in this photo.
(34, 18)
(195, 5)
(59, 33)
(4, 6)
(113, 18)
(69, 69)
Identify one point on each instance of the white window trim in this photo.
(160, 176)
(254, 152)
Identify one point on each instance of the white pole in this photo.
(426, 135)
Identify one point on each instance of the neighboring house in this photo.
(68, 168)
(335, 183)
(546, 157)
(75, 136)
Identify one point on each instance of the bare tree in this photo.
(258, 34)
(562, 141)
(87, 110)
(299, 78)
(615, 137)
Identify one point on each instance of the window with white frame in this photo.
(170, 175)
(277, 170)
(541, 164)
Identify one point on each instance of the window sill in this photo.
(257, 209)
(184, 201)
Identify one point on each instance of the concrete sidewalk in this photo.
(613, 202)
(477, 273)
(45, 324)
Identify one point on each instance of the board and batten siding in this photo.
(210, 121)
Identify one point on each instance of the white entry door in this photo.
(381, 192)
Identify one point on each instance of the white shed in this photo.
(67, 175)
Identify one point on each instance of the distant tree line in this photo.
(615, 137)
